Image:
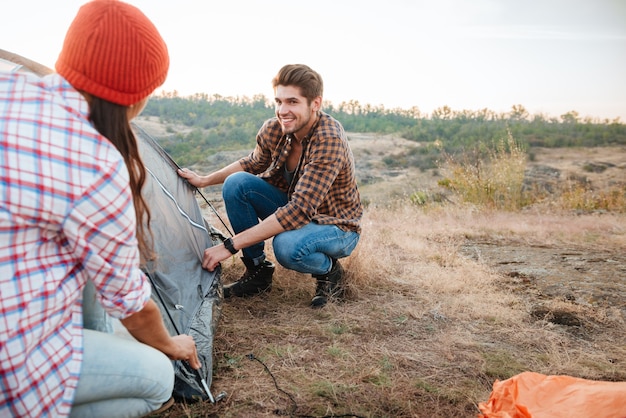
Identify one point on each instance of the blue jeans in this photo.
(119, 377)
(94, 315)
(309, 249)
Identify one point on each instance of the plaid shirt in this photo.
(324, 189)
(67, 215)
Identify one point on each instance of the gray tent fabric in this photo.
(189, 296)
(12, 62)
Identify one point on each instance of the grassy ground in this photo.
(424, 332)
(443, 300)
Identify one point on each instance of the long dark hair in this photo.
(111, 120)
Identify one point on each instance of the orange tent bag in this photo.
(534, 395)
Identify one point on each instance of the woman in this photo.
(72, 213)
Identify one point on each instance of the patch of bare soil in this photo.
(378, 182)
(579, 277)
(600, 166)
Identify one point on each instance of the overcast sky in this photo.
(550, 56)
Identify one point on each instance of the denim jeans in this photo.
(119, 377)
(94, 315)
(308, 249)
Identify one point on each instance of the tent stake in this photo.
(206, 389)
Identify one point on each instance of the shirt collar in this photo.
(59, 86)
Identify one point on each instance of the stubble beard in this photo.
(296, 127)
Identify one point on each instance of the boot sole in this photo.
(245, 295)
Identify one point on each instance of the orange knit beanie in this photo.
(113, 51)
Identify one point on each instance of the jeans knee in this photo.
(160, 385)
(284, 252)
(232, 184)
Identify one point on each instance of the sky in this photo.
(550, 56)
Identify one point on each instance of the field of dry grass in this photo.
(425, 330)
(438, 308)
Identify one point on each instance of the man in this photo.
(298, 186)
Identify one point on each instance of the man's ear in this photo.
(317, 103)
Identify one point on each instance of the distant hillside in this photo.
(200, 125)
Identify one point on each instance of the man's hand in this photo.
(192, 177)
(211, 179)
(267, 228)
(213, 256)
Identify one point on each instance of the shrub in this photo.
(489, 176)
(583, 198)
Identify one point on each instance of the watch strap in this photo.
(228, 243)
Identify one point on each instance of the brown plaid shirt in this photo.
(324, 189)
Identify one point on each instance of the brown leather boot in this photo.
(255, 280)
(329, 286)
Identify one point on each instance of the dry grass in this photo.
(424, 331)
(494, 181)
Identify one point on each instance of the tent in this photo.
(188, 296)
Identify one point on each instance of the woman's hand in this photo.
(147, 327)
(186, 351)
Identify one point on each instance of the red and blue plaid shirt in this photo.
(66, 216)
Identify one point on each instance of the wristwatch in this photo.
(229, 246)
